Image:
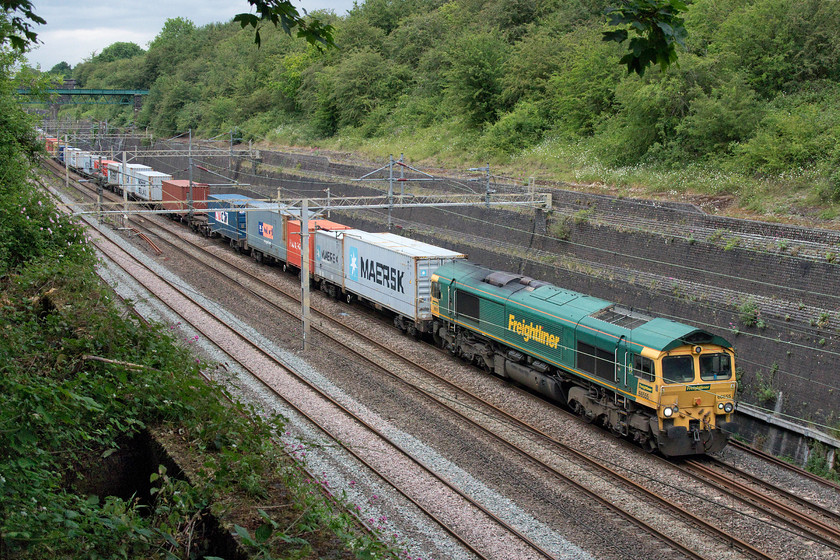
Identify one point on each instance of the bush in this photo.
(521, 128)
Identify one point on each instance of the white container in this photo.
(115, 174)
(83, 161)
(130, 176)
(393, 271)
(150, 185)
(70, 155)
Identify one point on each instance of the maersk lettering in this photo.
(382, 274)
(533, 332)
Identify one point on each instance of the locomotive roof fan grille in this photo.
(621, 317)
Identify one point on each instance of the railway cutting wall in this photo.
(771, 289)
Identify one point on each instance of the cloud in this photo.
(75, 29)
(74, 45)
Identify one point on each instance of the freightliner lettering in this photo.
(529, 331)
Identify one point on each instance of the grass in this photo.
(80, 379)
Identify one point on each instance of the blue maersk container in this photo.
(224, 219)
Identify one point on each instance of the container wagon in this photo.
(226, 220)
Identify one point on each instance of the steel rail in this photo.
(233, 333)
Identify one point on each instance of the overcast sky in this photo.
(75, 29)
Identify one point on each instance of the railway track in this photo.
(347, 333)
(257, 361)
(389, 356)
(784, 464)
(800, 515)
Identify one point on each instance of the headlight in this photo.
(728, 407)
(720, 405)
(668, 412)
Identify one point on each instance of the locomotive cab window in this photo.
(678, 369)
(643, 368)
(715, 366)
(435, 290)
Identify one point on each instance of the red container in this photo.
(293, 240)
(176, 193)
(51, 145)
(102, 164)
(100, 167)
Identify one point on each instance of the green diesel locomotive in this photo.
(668, 386)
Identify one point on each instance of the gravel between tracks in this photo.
(493, 484)
(376, 502)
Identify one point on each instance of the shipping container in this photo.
(100, 165)
(131, 178)
(393, 272)
(176, 195)
(293, 239)
(52, 146)
(70, 155)
(83, 161)
(150, 185)
(329, 255)
(115, 174)
(266, 231)
(225, 219)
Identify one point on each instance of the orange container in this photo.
(293, 240)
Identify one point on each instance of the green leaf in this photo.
(244, 535)
(263, 532)
(110, 452)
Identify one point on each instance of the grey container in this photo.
(329, 255)
(149, 185)
(266, 230)
(393, 271)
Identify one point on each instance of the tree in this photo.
(659, 30)
(474, 80)
(119, 51)
(16, 21)
(61, 68)
(283, 14)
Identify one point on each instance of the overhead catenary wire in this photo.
(460, 185)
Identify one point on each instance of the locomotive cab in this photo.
(694, 392)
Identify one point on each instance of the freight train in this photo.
(668, 386)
